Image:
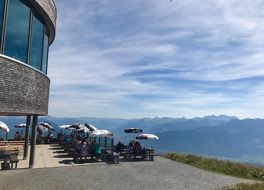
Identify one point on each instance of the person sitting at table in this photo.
(97, 151)
(77, 146)
(131, 144)
(17, 136)
(84, 150)
(59, 135)
(119, 146)
(92, 149)
(66, 138)
(137, 149)
(49, 137)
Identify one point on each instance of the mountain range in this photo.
(217, 136)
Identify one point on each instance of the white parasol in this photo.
(46, 125)
(93, 131)
(4, 127)
(101, 133)
(147, 136)
(64, 127)
(75, 126)
(20, 126)
(91, 127)
(83, 128)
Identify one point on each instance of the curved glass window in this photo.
(45, 53)
(17, 30)
(37, 44)
(23, 34)
(2, 7)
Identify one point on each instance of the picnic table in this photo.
(150, 153)
(127, 153)
(145, 154)
(8, 157)
(107, 155)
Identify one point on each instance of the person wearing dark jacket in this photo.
(120, 146)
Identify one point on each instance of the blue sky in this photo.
(134, 58)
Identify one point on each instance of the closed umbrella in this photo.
(147, 136)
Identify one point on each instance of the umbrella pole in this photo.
(7, 136)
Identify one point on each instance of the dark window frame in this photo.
(45, 33)
(29, 37)
(27, 4)
(3, 32)
(38, 17)
(33, 12)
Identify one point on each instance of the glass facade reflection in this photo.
(45, 53)
(37, 44)
(25, 35)
(2, 6)
(17, 30)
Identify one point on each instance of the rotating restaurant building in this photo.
(27, 29)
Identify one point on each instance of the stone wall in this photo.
(23, 90)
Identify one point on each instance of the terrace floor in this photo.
(160, 174)
(48, 156)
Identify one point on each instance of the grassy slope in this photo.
(224, 167)
(256, 186)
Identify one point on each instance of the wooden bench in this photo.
(12, 146)
(10, 142)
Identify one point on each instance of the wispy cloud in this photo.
(158, 58)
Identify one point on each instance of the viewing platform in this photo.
(51, 172)
(51, 155)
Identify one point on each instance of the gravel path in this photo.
(158, 175)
